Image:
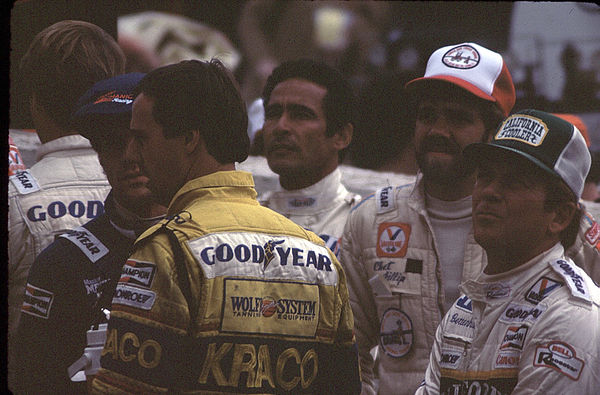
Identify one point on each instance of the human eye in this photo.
(426, 113)
(459, 117)
(272, 112)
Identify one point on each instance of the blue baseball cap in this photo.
(108, 101)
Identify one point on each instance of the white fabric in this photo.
(574, 162)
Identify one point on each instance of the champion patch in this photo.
(542, 288)
(461, 57)
(89, 244)
(392, 239)
(138, 273)
(25, 182)
(384, 200)
(396, 333)
(134, 297)
(516, 313)
(560, 357)
(574, 277)
(523, 128)
(514, 338)
(37, 302)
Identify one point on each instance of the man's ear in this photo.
(192, 139)
(563, 214)
(343, 137)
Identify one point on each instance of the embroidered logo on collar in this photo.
(297, 202)
(542, 288)
(89, 244)
(392, 239)
(574, 277)
(384, 200)
(497, 290)
(25, 182)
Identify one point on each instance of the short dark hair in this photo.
(203, 96)
(66, 59)
(558, 193)
(339, 101)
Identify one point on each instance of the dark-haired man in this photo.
(241, 299)
(72, 281)
(308, 122)
(531, 321)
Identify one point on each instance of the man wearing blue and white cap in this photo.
(531, 321)
(73, 280)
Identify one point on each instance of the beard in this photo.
(443, 170)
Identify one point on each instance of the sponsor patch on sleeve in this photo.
(138, 273)
(514, 338)
(25, 182)
(561, 357)
(37, 302)
(574, 277)
(384, 199)
(134, 297)
(542, 288)
(89, 244)
(392, 239)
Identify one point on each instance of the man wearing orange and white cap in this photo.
(407, 248)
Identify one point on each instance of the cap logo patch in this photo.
(461, 57)
(115, 97)
(523, 128)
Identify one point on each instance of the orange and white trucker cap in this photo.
(473, 68)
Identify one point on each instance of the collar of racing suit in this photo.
(65, 146)
(219, 185)
(489, 288)
(124, 221)
(310, 200)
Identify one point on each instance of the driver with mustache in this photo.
(407, 248)
(308, 124)
(73, 280)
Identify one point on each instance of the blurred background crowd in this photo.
(551, 48)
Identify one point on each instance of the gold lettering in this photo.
(136, 343)
(110, 346)
(213, 363)
(283, 357)
(157, 354)
(263, 372)
(310, 354)
(238, 365)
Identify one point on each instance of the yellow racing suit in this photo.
(227, 296)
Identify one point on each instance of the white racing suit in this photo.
(63, 190)
(396, 287)
(533, 329)
(321, 208)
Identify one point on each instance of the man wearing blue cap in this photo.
(73, 280)
(531, 320)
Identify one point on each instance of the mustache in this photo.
(281, 143)
(439, 144)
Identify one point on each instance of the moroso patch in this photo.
(542, 288)
(561, 357)
(392, 239)
(461, 57)
(37, 302)
(138, 273)
(134, 297)
(396, 333)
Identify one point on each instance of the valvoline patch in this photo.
(392, 239)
